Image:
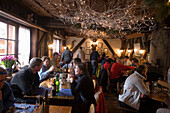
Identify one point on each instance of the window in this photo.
(56, 45)
(7, 39)
(24, 45)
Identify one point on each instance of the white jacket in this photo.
(133, 88)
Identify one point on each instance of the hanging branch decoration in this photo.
(130, 15)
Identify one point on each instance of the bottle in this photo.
(54, 88)
(169, 75)
(57, 83)
(46, 103)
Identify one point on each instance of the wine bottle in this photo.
(57, 83)
(54, 88)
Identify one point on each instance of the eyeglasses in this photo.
(2, 73)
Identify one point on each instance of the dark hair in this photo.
(44, 58)
(82, 66)
(77, 60)
(55, 53)
(3, 70)
(126, 57)
(140, 69)
(147, 63)
(109, 60)
(35, 62)
(80, 47)
(135, 60)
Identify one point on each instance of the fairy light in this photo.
(116, 17)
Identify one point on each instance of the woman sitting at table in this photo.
(134, 89)
(82, 89)
(45, 70)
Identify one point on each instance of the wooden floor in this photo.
(111, 103)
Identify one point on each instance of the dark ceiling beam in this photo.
(78, 45)
(108, 45)
(134, 35)
(15, 18)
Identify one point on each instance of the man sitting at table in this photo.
(45, 71)
(134, 89)
(26, 79)
(6, 95)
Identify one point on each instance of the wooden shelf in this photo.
(164, 83)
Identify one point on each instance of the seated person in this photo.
(26, 79)
(127, 61)
(82, 89)
(107, 63)
(134, 89)
(6, 95)
(45, 70)
(135, 62)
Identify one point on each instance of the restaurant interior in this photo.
(101, 33)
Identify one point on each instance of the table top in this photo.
(31, 108)
(164, 83)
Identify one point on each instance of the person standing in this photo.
(94, 56)
(81, 54)
(67, 56)
(26, 79)
(82, 89)
(6, 95)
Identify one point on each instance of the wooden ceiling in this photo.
(47, 19)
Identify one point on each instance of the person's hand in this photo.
(0, 95)
(71, 78)
(51, 68)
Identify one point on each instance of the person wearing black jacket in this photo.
(82, 89)
(26, 79)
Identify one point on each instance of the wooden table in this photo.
(57, 109)
(31, 108)
(164, 83)
(57, 100)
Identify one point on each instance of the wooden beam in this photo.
(135, 35)
(78, 45)
(8, 15)
(108, 45)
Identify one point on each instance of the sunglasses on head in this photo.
(2, 73)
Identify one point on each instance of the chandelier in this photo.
(130, 15)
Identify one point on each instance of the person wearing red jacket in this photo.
(116, 71)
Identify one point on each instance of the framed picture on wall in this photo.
(87, 51)
(87, 44)
(105, 50)
(100, 45)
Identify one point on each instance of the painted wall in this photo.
(160, 49)
(114, 43)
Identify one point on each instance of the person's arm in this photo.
(124, 67)
(76, 87)
(143, 88)
(44, 73)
